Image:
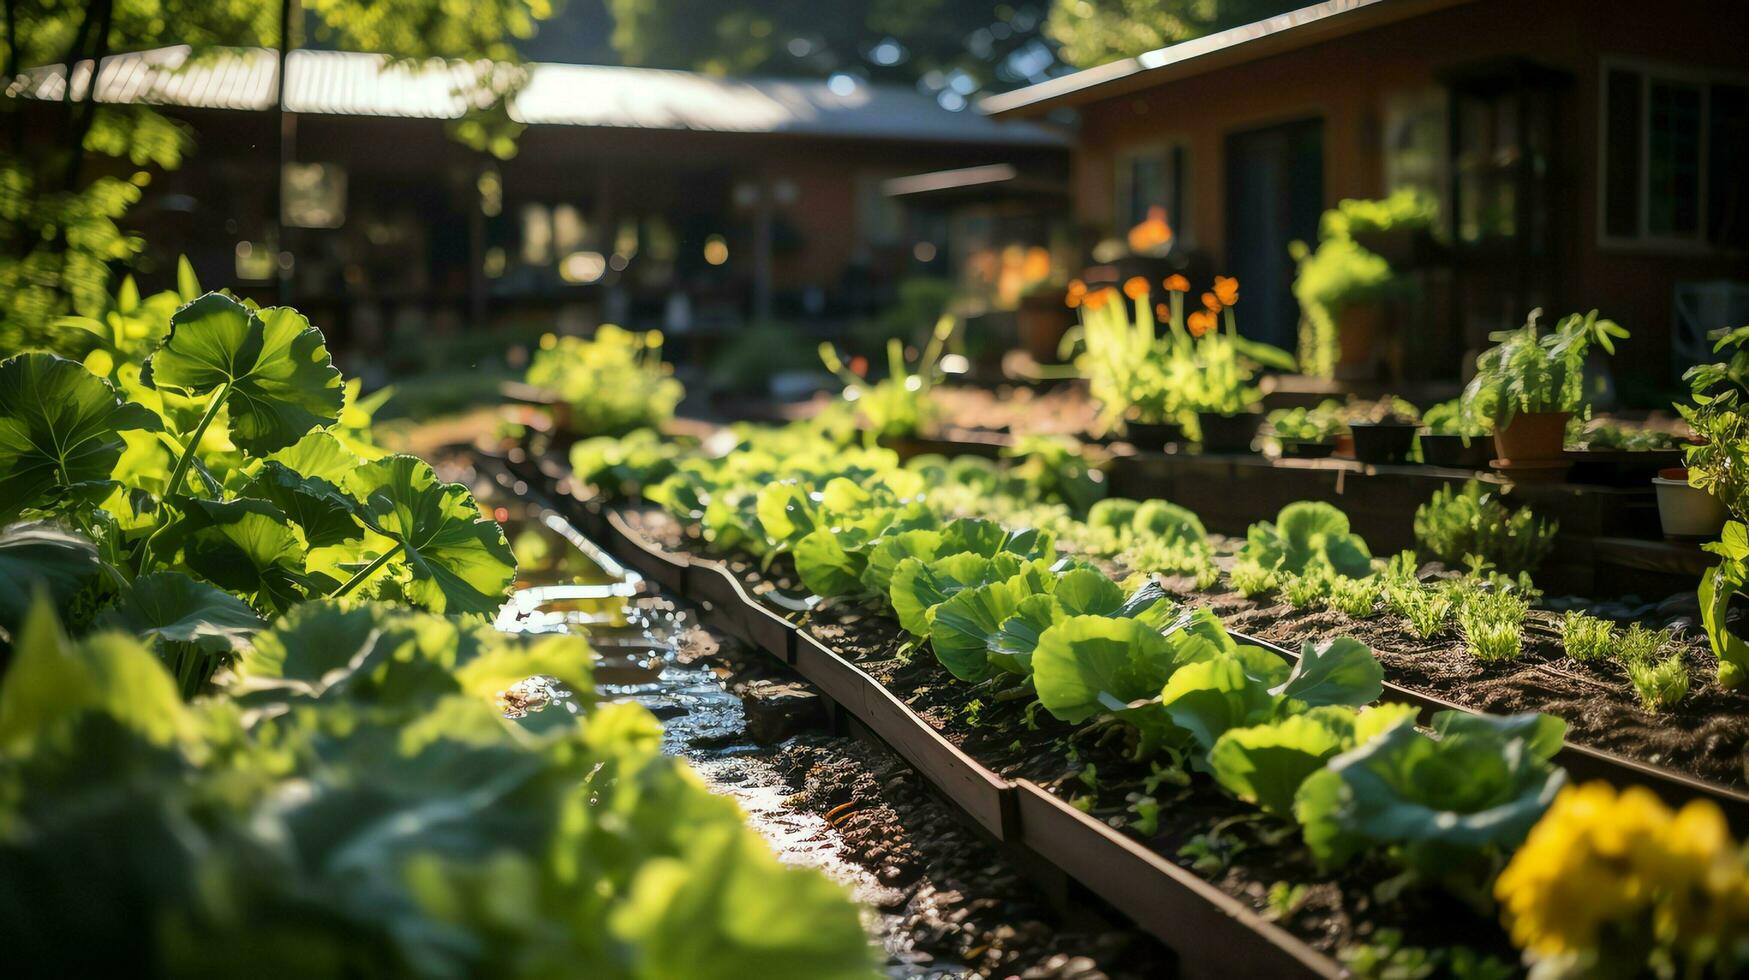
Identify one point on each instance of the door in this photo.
(1275, 193)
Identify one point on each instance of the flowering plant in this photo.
(1195, 366)
(1618, 884)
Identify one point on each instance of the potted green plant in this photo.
(1307, 433)
(1449, 437)
(1717, 475)
(1530, 383)
(1384, 431)
(1342, 284)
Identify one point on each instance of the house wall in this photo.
(1346, 83)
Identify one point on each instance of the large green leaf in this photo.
(60, 431)
(175, 608)
(1087, 665)
(963, 625)
(892, 549)
(317, 506)
(42, 557)
(1265, 764)
(281, 383)
(919, 586)
(459, 560)
(246, 546)
(1210, 697)
(1341, 670)
(1717, 587)
(52, 680)
(825, 567)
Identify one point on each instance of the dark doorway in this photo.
(1275, 193)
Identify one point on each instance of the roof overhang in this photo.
(1291, 31)
(967, 185)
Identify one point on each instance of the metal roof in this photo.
(1276, 35)
(348, 83)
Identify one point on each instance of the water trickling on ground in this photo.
(571, 585)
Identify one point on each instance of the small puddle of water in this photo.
(570, 585)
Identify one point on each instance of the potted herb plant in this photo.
(1384, 432)
(1307, 433)
(1451, 438)
(1530, 383)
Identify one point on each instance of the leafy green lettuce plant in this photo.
(1450, 806)
(1306, 534)
(1455, 524)
(609, 384)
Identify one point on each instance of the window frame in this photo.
(1122, 185)
(1648, 71)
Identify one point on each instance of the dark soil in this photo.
(953, 905)
(1705, 735)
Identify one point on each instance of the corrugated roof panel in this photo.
(348, 83)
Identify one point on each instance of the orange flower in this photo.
(1152, 234)
(1077, 292)
(1211, 302)
(1227, 290)
(1200, 322)
(1135, 287)
(1097, 300)
(1176, 283)
(1161, 312)
(1036, 265)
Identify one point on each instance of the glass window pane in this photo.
(1621, 147)
(1728, 166)
(1673, 159)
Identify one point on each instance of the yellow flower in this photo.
(1599, 860)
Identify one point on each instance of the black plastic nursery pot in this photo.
(1297, 449)
(1154, 436)
(1228, 433)
(1451, 451)
(1382, 442)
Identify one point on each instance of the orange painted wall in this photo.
(1346, 82)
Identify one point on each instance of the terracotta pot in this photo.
(1532, 437)
(1684, 511)
(1357, 333)
(1043, 321)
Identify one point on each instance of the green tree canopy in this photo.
(1093, 32)
(952, 48)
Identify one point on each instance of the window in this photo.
(1417, 126)
(1673, 155)
(1152, 177)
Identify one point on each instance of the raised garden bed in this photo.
(861, 650)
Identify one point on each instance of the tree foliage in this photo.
(1093, 32)
(71, 168)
